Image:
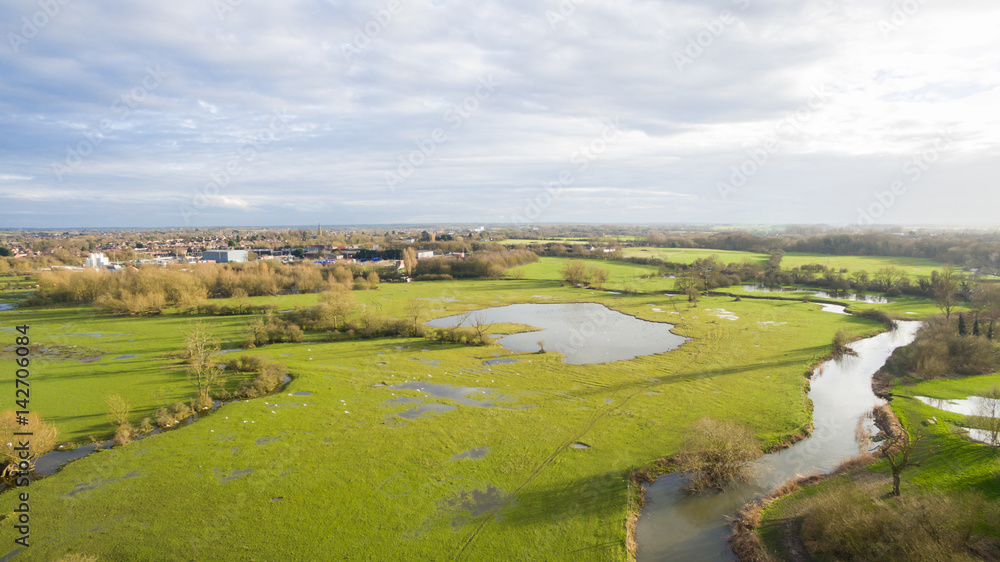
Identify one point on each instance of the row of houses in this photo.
(98, 260)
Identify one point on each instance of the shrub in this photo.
(43, 440)
(718, 453)
(164, 418)
(939, 350)
(268, 378)
(433, 277)
(180, 411)
(202, 402)
(850, 520)
(878, 316)
(840, 341)
(123, 434)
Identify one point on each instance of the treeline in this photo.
(968, 250)
(486, 264)
(149, 290)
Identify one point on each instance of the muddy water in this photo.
(584, 332)
(677, 526)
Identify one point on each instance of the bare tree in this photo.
(340, 303)
(482, 329)
(988, 414)
(945, 285)
(200, 343)
(414, 311)
(118, 410)
(900, 451)
(889, 276)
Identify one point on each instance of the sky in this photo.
(239, 112)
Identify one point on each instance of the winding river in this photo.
(677, 526)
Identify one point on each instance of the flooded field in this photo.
(585, 332)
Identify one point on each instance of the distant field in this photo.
(915, 267)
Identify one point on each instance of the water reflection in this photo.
(678, 526)
(584, 332)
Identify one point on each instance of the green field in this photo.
(337, 474)
(915, 267)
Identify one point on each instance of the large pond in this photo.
(677, 526)
(583, 332)
(856, 297)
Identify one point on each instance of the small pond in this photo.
(584, 332)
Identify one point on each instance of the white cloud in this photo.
(892, 90)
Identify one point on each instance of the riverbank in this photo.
(955, 490)
(835, 415)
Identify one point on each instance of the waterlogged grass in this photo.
(79, 358)
(340, 474)
(958, 463)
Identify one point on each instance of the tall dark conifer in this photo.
(961, 326)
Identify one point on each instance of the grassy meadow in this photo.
(914, 267)
(330, 469)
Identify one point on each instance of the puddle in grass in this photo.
(49, 463)
(477, 453)
(459, 394)
(99, 482)
(502, 361)
(584, 332)
(230, 476)
(124, 357)
(579, 445)
(474, 503)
